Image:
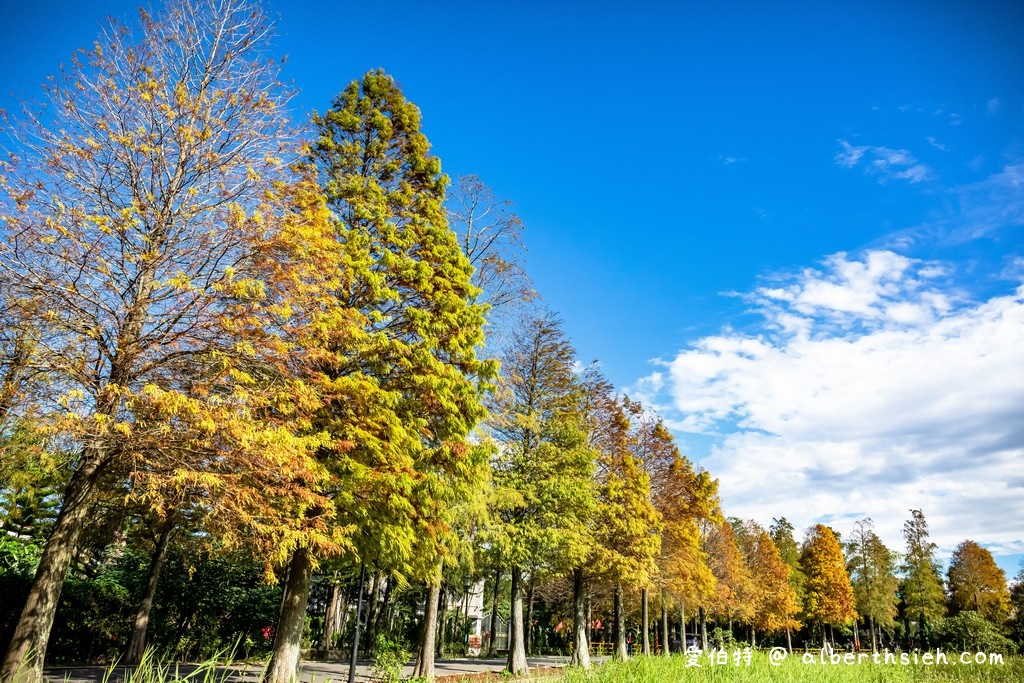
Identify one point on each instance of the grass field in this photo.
(792, 669)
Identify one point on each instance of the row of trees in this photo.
(221, 337)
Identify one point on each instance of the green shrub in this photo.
(389, 658)
(971, 632)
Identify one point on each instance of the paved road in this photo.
(310, 672)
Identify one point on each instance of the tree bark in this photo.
(516, 663)
(285, 652)
(620, 626)
(666, 648)
(682, 626)
(442, 631)
(425, 659)
(874, 642)
(702, 617)
(27, 650)
(332, 615)
(645, 623)
(384, 611)
(492, 646)
(529, 616)
(581, 649)
(590, 619)
(372, 612)
(137, 641)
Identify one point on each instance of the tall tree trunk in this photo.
(425, 659)
(492, 647)
(27, 649)
(856, 637)
(529, 615)
(384, 611)
(620, 625)
(789, 640)
(753, 636)
(284, 656)
(372, 612)
(442, 631)
(682, 626)
(702, 617)
(666, 648)
(645, 623)
(581, 649)
(464, 618)
(590, 619)
(874, 642)
(137, 640)
(331, 615)
(516, 663)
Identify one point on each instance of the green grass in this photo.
(794, 670)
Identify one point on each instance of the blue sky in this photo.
(798, 231)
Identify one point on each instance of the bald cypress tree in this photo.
(875, 585)
(977, 583)
(921, 592)
(544, 498)
(407, 380)
(829, 597)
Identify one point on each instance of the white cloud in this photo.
(936, 144)
(873, 388)
(883, 162)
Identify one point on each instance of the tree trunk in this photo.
(27, 649)
(666, 648)
(645, 623)
(425, 660)
(702, 617)
(464, 619)
(590, 620)
(372, 612)
(620, 626)
(516, 663)
(581, 649)
(492, 648)
(529, 616)
(284, 657)
(753, 637)
(874, 642)
(137, 641)
(332, 615)
(384, 611)
(682, 626)
(789, 640)
(442, 631)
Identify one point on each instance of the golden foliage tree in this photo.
(686, 498)
(139, 205)
(829, 594)
(977, 583)
(774, 599)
